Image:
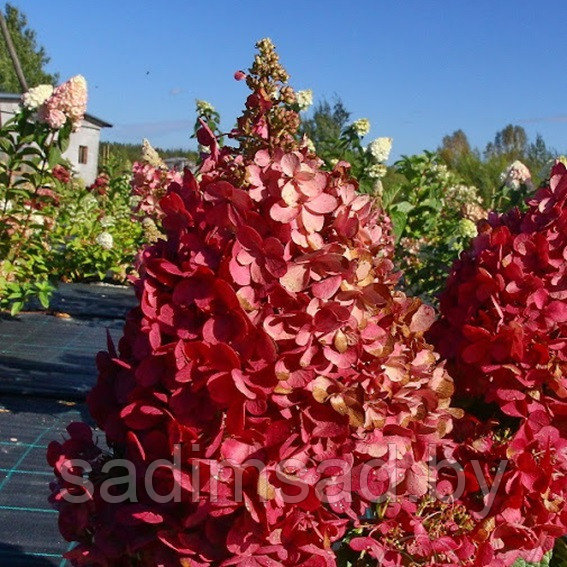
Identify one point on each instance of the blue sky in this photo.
(418, 69)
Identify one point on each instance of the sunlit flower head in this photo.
(467, 228)
(107, 221)
(68, 101)
(204, 107)
(361, 126)
(380, 149)
(376, 170)
(36, 96)
(150, 155)
(515, 175)
(105, 240)
(304, 99)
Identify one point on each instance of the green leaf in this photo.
(30, 163)
(403, 207)
(435, 204)
(6, 145)
(30, 150)
(64, 144)
(44, 299)
(399, 221)
(16, 308)
(54, 156)
(64, 136)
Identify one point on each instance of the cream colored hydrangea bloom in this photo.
(361, 126)
(380, 149)
(36, 96)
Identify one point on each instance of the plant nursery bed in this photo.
(47, 366)
(28, 532)
(45, 356)
(49, 356)
(91, 301)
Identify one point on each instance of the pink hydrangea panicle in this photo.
(149, 184)
(52, 116)
(68, 102)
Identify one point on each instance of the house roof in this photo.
(90, 117)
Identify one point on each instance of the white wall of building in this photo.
(88, 136)
(7, 110)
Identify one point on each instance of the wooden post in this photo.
(13, 54)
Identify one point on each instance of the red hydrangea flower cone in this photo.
(503, 330)
(270, 356)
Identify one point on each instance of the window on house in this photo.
(83, 154)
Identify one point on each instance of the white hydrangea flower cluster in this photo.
(204, 107)
(151, 231)
(459, 194)
(107, 221)
(90, 201)
(473, 212)
(376, 171)
(105, 240)
(378, 188)
(304, 99)
(515, 175)
(134, 201)
(361, 126)
(467, 228)
(411, 246)
(380, 149)
(37, 220)
(36, 96)
(150, 155)
(441, 171)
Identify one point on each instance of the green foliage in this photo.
(52, 228)
(28, 207)
(538, 154)
(86, 215)
(33, 58)
(427, 205)
(484, 171)
(511, 141)
(335, 139)
(454, 147)
(326, 123)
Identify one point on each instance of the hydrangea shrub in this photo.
(434, 216)
(32, 172)
(503, 331)
(94, 237)
(269, 330)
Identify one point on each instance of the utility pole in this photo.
(12, 52)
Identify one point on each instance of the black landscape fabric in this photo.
(92, 300)
(46, 356)
(47, 366)
(52, 356)
(28, 529)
